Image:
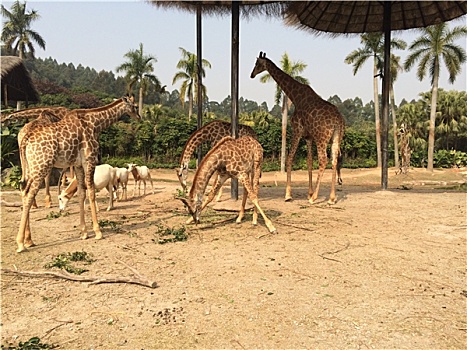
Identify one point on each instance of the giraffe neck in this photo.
(204, 173)
(194, 141)
(210, 164)
(291, 87)
(102, 117)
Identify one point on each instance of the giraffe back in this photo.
(33, 113)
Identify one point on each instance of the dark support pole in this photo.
(200, 76)
(386, 86)
(234, 83)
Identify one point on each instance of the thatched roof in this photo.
(16, 81)
(367, 16)
(248, 8)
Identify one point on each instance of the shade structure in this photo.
(347, 17)
(222, 8)
(16, 81)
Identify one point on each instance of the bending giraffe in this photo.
(313, 119)
(73, 141)
(230, 158)
(213, 131)
(41, 116)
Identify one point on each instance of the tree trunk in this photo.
(140, 101)
(431, 134)
(190, 107)
(377, 118)
(285, 112)
(394, 128)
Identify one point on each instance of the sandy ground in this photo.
(380, 269)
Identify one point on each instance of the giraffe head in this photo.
(194, 206)
(131, 107)
(260, 65)
(182, 174)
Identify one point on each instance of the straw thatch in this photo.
(367, 16)
(222, 8)
(16, 81)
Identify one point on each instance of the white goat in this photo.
(104, 177)
(121, 178)
(140, 173)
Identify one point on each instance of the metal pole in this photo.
(386, 87)
(234, 83)
(200, 75)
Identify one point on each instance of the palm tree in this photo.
(373, 47)
(17, 34)
(436, 44)
(395, 69)
(293, 69)
(138, 70)
(189, 75)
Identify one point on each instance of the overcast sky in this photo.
(97, 34)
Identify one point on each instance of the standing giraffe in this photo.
(41, 116)
(313, 119)
(230, 158)
(73, 141)
(404, 149)
(213, 131)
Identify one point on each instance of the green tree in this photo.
(395, 69)
(17, 35)
(138, 71)
(436, 44)
(293, 69)
(189, 76)
(373, 47)
(451, 118)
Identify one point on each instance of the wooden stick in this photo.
(139, 279)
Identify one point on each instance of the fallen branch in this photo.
(11, 204)
(334, 252)
(138, 279)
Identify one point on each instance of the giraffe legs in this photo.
(322, 159)
(23, 238)
(290, 157)
(253, 196)
(48, 201)
(309, 161)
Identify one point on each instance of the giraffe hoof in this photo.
(29, 244)
(288, 198)
(332, 201)
(21, 249)
(311, 201)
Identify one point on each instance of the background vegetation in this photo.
(159, 138)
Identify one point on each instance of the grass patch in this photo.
(64, 262)
(170, 235)
(56, 214)
(115, 226)
(32, 344)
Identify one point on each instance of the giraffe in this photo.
(405, 150)
(313, 119)
(230, 158)
(73, 141)
(41, 116)
(213, 131)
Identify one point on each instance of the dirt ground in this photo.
(379, 270)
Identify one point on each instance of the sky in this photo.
(97, 34)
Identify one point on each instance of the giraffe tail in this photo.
(340, 161)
